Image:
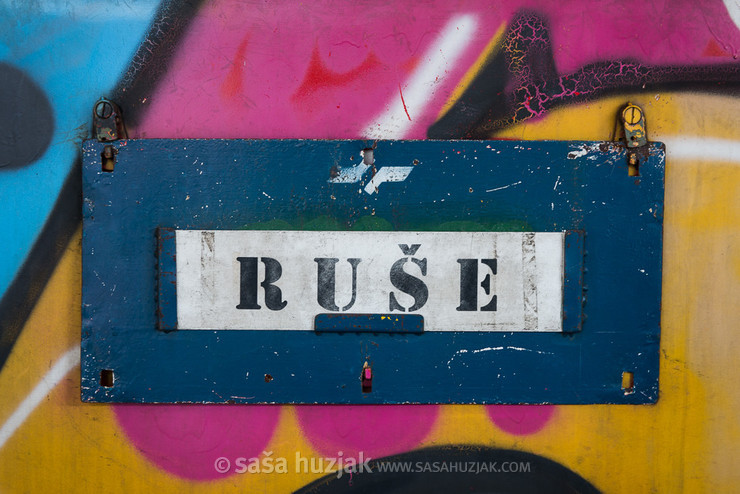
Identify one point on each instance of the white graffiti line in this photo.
(496, 349)
(702, 149)
(520, 349)
(61, 368)
(504, 187)
(438, 60)
(388, 174)
(733, 8)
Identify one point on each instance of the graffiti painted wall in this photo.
(329, 69)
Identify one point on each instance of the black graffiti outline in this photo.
(521, 82)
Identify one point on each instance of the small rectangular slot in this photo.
(633, 170)
(106, 378)
(367, 379)
(108, 157)
(628, 382)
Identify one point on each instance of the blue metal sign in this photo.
(248, 271)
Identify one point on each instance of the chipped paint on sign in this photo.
(388, 174)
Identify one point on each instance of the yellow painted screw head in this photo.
(632, 114)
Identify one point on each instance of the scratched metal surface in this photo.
(439, 186)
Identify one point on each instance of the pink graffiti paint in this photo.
(520, 420)
(288, 70)
(328, 69)
(186, 440)
(374, 430)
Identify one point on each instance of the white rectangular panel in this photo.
(257, 280)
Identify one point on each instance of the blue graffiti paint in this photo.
(75, 51)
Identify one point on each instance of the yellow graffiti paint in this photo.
(688, 442)
(491, 49)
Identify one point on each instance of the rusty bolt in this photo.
(103, 109)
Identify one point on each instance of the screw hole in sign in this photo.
(628, 382)
(106, 378)
(367, 378)
(108, 158)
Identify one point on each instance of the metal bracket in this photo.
(635, 136)
(108, 127)
(107, 121)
